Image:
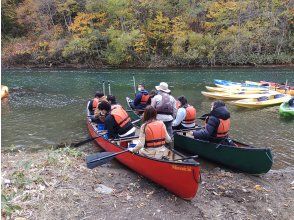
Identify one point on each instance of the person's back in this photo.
(93, 104)
(186, 115)
(141, 98)
(153, 136)
(117, 121)
(217, 124)
(165, 106)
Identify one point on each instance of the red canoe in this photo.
(180, 178)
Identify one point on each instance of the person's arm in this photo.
(174, 107)
(137, 100)
(109, 126)
(181, 114)
(209, 130)
(154, 100)
(141, 142)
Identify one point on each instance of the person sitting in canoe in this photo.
(112, 101)
(217, 123)
(165, 106)
(117, 121)
(186, 115)
(152, 93)
(99, 96)
(153, 136)
(141, 99)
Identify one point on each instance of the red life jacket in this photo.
(190, 115)
(95, 103)
(223, 128)
(144, 99)
(155, 134)
(121, 117)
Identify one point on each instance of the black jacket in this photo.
(113, 129)
(212, 123)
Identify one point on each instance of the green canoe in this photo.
(243, 158)
(285, 110)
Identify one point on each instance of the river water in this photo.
(47, 107)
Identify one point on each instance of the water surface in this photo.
(48, 106)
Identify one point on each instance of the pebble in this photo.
(103, 189)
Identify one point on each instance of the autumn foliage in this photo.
(147, 32)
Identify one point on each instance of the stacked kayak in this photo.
(247, 84)
(235, 89)
(4, 92)
(286, 110)
(232, 96)
(262, 101)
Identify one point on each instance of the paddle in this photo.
(134, 83)
(86, 141)
(103, 85)
(185, 158)
(98, 159)
(109, 91)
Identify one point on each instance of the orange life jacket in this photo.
(223, 128)
(95, 103)
(155, 134)
(121, 117)
(144, 99)
(190, 115)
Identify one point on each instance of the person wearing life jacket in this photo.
(153, 136)
(217, 123)
(117, 121)
(165, 106)
(112, 101)
(291, 103)
(94, 103)
(141, 98)
(152, 93)
(186, 115)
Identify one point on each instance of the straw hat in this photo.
(163, 86)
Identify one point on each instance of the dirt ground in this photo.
(55, 184)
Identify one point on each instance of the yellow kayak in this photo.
(4, 91)
(288, 91)
(231, 96)
(233, 90)
(263, 101)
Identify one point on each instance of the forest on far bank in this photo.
(154, 33)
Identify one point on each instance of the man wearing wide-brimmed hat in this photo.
(165, 106)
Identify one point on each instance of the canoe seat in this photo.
(262, 98)
(278, 96)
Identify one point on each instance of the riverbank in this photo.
(55, 184)
(137, 66)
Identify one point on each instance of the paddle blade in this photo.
(95, 160)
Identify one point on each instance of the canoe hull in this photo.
(245, 159)
(228, 96)
(178, 178)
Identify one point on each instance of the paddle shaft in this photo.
(185, 158)
(134, 81)
(109, 90)
(86, 141)
(109, 156)
(103, 86)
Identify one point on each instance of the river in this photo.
(47, 107)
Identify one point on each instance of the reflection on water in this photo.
(47, 107)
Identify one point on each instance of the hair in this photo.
(149, 113)
(142, 84)
(104, 105)
(153, 93)
(183, 100)
(218, 103)
(111, 99)
(99, 94)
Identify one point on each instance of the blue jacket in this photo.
(137, 101)
(212, 123)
